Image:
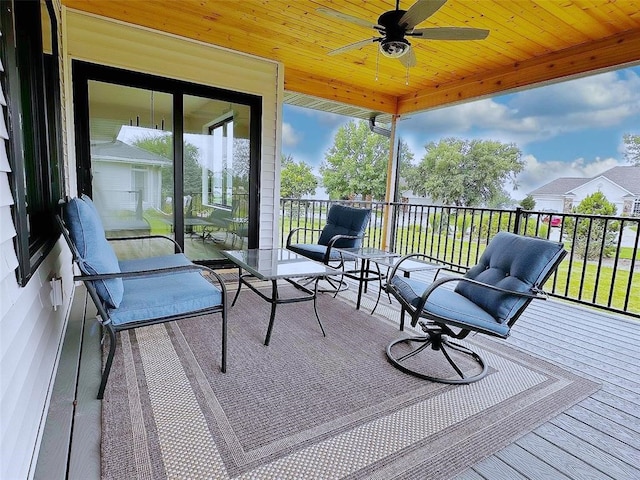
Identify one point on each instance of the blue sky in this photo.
(568, 129)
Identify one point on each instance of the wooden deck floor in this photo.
(599, 438)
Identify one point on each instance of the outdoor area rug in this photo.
(309, 406)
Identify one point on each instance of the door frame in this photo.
(83, 72)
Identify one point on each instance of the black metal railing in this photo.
(602, 268)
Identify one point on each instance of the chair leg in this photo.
(315, 306)
(107, 366)
(437, 342)
(224, 339)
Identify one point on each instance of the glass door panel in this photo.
(131, 158)
(216, 153)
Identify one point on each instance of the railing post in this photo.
(516, 224)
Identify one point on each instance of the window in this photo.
(636, 208)
(30, 57)
(219, 171)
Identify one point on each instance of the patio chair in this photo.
(345, 228)
(219, 220)
(139, 292)
(488, 300)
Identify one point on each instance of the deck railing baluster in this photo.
(457, 236)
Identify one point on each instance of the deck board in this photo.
(613, 408)
(528, 464)
(553, 454)
(585, 452)
(495, 469)
(471, 474)
(624, 445)
(598, 438)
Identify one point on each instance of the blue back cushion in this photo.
(512, 262)
(343, 220)
(87, 199)
(96, 255)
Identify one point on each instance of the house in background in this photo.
(138, 177)
(620, 185)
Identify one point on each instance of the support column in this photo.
(392, 172)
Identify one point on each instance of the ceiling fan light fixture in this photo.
(394, 48)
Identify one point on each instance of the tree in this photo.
(296, 179)
(593, 235)
(356, 164)
(632, 145)
(528, 203)
(466, 172)
(163, 146)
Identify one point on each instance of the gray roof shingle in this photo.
(120, 151)
(559, 186)
(627, 177)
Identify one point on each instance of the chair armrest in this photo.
(334, 239)
(296, 230)
(536, 293)
(158, 271)
(146, 237)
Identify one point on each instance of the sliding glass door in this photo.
(217, 163)
(165, 157)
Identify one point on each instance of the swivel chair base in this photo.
(435, 339)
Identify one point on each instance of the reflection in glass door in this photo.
(216, 156)
(131, 158)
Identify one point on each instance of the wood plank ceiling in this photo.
(530, 41)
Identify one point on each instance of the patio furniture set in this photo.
(488, 299)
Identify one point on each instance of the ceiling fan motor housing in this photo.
(393, 44)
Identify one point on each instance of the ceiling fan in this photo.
(395, 25)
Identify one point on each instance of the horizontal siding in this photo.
(28, 356)
(30, 339)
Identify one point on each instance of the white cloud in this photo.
(290, 137)
(542, 113)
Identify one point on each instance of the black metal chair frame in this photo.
(337, 286)
(103, 314)
(437, 330)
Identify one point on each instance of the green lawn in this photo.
(626, 252)
(582, 282)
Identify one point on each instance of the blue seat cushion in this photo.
(314, 251)
(161, 296)
(453, 308)
(512, 262)
(96, 256)
(344, 220)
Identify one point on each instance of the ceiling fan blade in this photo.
(419, 11)
(354, 46)
(345, 17)
(408, 59)
(450, 33)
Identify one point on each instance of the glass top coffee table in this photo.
(278, 264)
